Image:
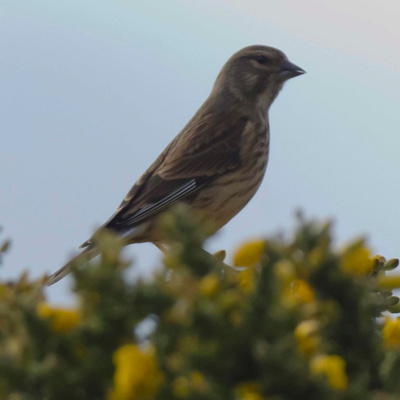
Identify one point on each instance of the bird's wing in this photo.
(206, 148)
(201, 152)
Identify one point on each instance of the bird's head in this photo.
(255, 71)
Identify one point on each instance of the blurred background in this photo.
(92, 92)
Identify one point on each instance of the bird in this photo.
(216, 163)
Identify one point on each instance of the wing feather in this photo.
(206, 148)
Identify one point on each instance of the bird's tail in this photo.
(85, 255)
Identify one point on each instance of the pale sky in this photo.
(92, 91)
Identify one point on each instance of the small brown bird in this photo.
(217, 162)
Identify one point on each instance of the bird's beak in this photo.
(290, 70)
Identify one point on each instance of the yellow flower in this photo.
(229, 299)
(249, 391)
(357, 261)
(306, 336)
(183, 385)
(246, 279)
(209, 284)
(249, 253)
(333, 367)
(303, 291)
(389, 282)
(252, 396)
(197, 378)
(137, 375)
(285, 271)
(61, 319)
(391, 333)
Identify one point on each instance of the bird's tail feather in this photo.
(85, 255)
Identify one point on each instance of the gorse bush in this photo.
(301, 320)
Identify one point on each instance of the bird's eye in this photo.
(262, 60)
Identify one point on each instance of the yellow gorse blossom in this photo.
(306, 336)
(246, 279)
(137, 375)
(357, 261)
(252, 396)
(249, 254)
(389, 282)
(285, 272)
(209, 284)
(197, 379)
(61, 319)
(391, 333)
(249, 391)
(302, 291)
(333, 367)
(183, 385)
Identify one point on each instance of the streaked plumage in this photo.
(217, 162)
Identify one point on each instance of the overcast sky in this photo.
(92, 91)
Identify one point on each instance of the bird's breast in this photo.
(230, 192)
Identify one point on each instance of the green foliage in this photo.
(300, 322)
